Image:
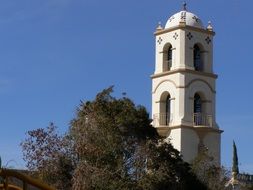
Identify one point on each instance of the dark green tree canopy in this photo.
(235, 168)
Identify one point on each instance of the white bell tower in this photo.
(183, 86)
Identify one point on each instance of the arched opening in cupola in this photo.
(165, 109)
(200, 106)
(167, 57)
(197, 58)
(197, 109)
(197, 103)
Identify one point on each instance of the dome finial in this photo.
(159, 27)
(209, 27)
(184, 6)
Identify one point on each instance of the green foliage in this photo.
(167, 170)
(108, 135)
(214, 177)
(110, 145)
(235, 168)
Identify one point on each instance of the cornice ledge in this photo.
(184, 28)
(184, 71)
(209, 129)
(163, 130)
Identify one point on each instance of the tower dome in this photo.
(186, 17)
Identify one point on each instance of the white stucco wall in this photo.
(189, 144)
(213, 141)
(175, 138)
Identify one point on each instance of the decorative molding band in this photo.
(203, 101)
(164, 131)
(164, 101)
(203, 51)
(165, 51)
(206, 101)
(185, 71)
(184, 27)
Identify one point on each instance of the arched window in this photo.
(197, 104)
(167, 116)
(197, 58)
(169, 57)
(164, 115)
(197, 110)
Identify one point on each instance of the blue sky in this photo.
(54, 53)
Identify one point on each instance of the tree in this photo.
(111, 145)
(48, 156)
(119, 149)
(213, 176)
(108, 134)
(235, 168)
(167, 170)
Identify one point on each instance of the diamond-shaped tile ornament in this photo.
(171, 18)
(183, 16)
(159, 41)
(175, 36)
(189, 36)
(208, 40)
(195, 18)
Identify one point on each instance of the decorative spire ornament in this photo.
(184, 6)
(209, 27)
(159, 27)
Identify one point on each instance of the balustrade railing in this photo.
(200, 119)
(162, 119)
